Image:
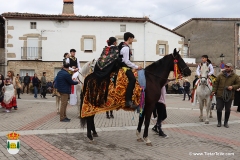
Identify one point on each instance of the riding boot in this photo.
(227, 115)
(219, 117)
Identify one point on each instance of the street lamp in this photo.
(222, 57)
(222, 65)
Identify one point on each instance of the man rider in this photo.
(73, 62)
(126, 53)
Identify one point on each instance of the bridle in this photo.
(91, 69)
(174, 58)
(206, 84)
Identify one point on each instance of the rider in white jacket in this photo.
(205, 60)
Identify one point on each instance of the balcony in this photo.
(31, 53)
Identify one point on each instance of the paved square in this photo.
(43, 136)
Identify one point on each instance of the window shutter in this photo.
(88, 44)
(162, 49)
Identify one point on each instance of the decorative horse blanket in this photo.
(115, 98)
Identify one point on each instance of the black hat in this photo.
(205, 56)
(72, 50)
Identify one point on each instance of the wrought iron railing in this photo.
(31, 53)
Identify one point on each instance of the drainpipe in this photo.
(144, 49)
(236, 43)
(5, 45)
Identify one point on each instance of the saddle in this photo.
(116, 95)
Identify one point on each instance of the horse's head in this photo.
(204, 73)
(92, 64)
(184, 69)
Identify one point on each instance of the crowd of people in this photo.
(13, 86)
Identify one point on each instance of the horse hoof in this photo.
(200, 120)
(207, 122)
(149, 144)
(140, 140)
(95, 135)
(210, 116)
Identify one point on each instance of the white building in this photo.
(37, 42)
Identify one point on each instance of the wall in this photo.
(59, 37)
(210, 37)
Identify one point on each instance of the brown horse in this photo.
(156, 76)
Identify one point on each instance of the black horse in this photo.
(156, 76)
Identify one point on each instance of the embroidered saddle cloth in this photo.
(115, 98)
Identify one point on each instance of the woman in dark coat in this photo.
(1, 85)
(237, 99)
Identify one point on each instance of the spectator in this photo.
(186, 86)
(35, 83)
(18, 85)
(1, 86)
(49, 87)
(64, 82)
(26, 82)
(237, 99)
(180, 88)
(43, 86)
(10, 75)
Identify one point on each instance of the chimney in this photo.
(68, 7)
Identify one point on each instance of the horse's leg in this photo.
(148, 113)
(210, 116)
(139, 128)
(93, 127)
(208, 103)
(201, 105)
(89, 128)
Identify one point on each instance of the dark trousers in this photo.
(26, 85)
(155, 112)
(238, 109)
(131, 85)
(44, 91)
(111, 112)
(18, 92)
(221, 104)
(186, 92)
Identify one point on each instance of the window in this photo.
(88, 45)
(33, 25)
(185, 51)
(32, 48)
(56, 70)
(122, 28)
(162, 49)
(24, 71)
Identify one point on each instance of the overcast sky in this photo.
(169, 13)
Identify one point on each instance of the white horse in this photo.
(203, 92)
(86, 69)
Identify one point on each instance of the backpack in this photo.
(109, 55)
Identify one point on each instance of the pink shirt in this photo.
(163, 95)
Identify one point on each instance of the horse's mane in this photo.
(157, 64)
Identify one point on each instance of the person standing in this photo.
(226, 83)
(18, 85)
(26, 82)
(186, 90)
(162, 113)
(1, 86)
(73, 95)
(44, 85)
(10, 75)
(35, 84)
(9, 100)
(126, 53)
(64, 82)
(111, 114)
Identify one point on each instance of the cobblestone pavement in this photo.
(43, 136)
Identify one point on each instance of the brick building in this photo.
(212, 36)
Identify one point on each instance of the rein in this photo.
(227, 94)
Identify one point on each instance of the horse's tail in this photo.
(194, 97)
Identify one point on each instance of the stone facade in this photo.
(38, 66)
(212, 37)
